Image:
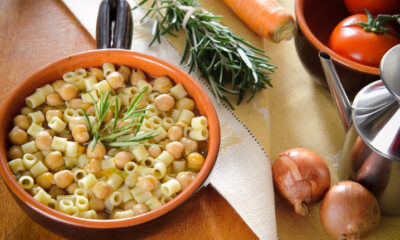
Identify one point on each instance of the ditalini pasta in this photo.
(57, 164)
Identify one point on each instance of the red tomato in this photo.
(374, 6)
(356, 44)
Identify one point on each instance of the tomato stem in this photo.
(377, 25)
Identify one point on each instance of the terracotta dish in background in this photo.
(71, 226)
(316, 20)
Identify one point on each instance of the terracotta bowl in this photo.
(70, 226)
(316, 20)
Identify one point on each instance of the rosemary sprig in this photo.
(111, 135)
(230, 64)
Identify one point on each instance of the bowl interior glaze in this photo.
(96, 58)
(317, 19)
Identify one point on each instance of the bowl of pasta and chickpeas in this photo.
(106, 139)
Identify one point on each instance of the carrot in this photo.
(267, 18)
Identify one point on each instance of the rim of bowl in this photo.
(299, 6)
(205, 108)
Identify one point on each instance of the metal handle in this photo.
(114, 25)
(337, 91)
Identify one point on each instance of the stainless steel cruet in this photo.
(371, 151)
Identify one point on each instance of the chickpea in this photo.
(22, 122)
(195, 161)
(53, 113)
(51, 132)
(66, 134)
(115, 79)
(45, 109)
(175, 133)
(122, 158)
(164, 102)
(54, 99)
(45, 180)
(139, 209)
(162, 84)
(26, 173)
(26, 110)
(185, 179)
(185, 103)
(18, 136)
(57, 85)
(96, 204)
(54, 160)
(93, 166)
(68, 91)
(125, 72)
(75, 121)
(75, 103)
(147, 183)
(175, 148)
(98, 152)
(108, 116)
(55, 191)
(80, 134)
(136, 76)
(43, 141)
(102, 189)
(124, 123)
(143, 102)
(63, 178)
(154, 151)
(15, 151)
(129, 205)
(91, 111)
(71, 188)
(97, 72)
(189, 144)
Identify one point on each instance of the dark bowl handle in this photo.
(114, 25)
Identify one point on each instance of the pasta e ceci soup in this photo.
(107, 143)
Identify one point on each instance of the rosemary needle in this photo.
(230, 64)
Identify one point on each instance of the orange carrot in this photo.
(265, 17)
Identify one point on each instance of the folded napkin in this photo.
(242, 173)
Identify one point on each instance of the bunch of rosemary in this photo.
(109, 133)
(228, 62)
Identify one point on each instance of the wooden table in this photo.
(34, 33)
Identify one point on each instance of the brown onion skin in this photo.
(306, 187)
(349, 211)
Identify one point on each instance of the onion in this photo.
(301, 177)
(349, 211)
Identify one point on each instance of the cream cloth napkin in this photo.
(242, 173)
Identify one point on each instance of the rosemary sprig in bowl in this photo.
(110, 134)
(230, 64)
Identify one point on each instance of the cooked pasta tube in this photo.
(38, 169)
(42, 196)
(57, 124)
(159, 170)
(28, 160)
(82, 203)
(26, 182)
(16, 165)
(171, 187)
(199, 134)
(123, 214)
(199, 122)
(34, 129)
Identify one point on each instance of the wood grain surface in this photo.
(36, 32)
